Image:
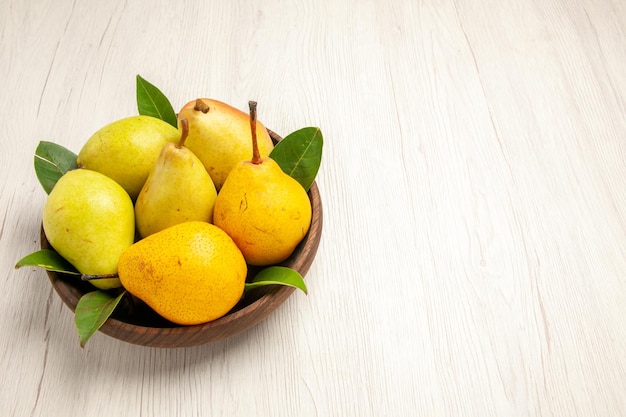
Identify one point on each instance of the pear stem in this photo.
(201, 106)
(87, 277)
(256, 156)
(184, 133)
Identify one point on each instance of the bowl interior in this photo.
(134, 322)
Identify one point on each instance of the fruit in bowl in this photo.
(127, 149)
(264, 210)
(179, 277)
(219, 135)
(178, 189)
(77, 219)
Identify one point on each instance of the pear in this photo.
(219, 136)
(178, 190)
(127, 149)
(190, 273)
(265, 211)
(89, 220)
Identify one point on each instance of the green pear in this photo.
(219, 135)
(178, 190)
(265, 211)
(127, 149)
(89, 220)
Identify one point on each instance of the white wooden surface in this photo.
(473, 260)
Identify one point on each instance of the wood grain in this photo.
(473, 258)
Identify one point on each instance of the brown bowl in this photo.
(134, 322)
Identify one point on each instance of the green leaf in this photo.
(51, 162)
(92, 311)
(278, 275)
(49, 260)
(299, 154)
(152, 102)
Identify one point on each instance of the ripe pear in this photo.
(127, 149)
(219, 136)
(89, 220)
(178, 190)
(190, 273)
(265, 211)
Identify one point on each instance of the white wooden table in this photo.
(473, 259)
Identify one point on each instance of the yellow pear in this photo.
(89, 220)
(178, 190)
(219, 136)
(190, 273)
(265, 211)
(127, 149)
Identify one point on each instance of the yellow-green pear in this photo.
(89, 220)
(219, 135)
(265, 211)
(178, 190)
(127, 149)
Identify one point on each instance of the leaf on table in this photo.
(152, 102)
(278, 275)
(51, 162)
(92, 311)
(49, 260)
(299, 155)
